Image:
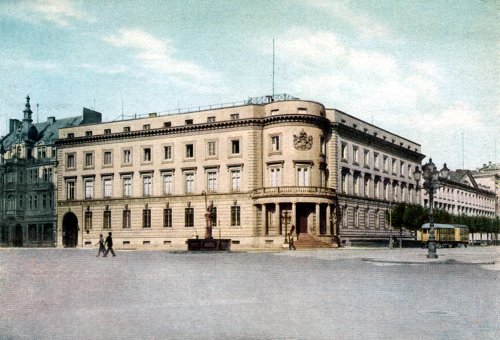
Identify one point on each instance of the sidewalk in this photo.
(471, 255)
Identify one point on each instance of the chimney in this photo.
(51, 120)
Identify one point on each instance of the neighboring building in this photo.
(463, 195)
(489, 176)
(27, 176)
(371, 169)
(148, 179)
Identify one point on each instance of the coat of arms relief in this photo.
(302, 141)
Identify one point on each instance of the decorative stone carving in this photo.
(302, 141)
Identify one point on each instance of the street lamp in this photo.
(433, 181)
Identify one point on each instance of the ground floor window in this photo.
(146, 218)
(189, 217)
(235, 215)
(4, 234)
(88, 220)
(32, 232)
(126, 219)
(106, 217)
(48, 232)
(167, 218)
(214, 217)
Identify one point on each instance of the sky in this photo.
(426, 70)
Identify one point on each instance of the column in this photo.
(294, 215)
(264, 220)
(318, 215)
(276, 219)
(328, 220)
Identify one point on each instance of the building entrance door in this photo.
(17, 241)
(70, 230)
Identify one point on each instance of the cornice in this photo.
(347, 131)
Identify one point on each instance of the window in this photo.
(386, 164)
(343, 151)
(214, 216)
(47, 175)
(51, 201)
(302, 176)
(107, 158)
(146, 127)
(35, 202)
(89, 159)
(275, 176)
(235, 147)
(127, 156)
(235, 215)
(386, 190)
(345, 183)
(366, 158)
(322, 142)
(89, 188)
(21, 201)
(275, 143)
(189, 151)
(11, 203)
(394, 166)
(167, 152)
(355, 184)
(189, 122)
(375, 160)
(211, 148)
(355, 154)
(71, 135)
(401, 168)
(367, 187)
(70, 190)
(146, 218)
(88, 133)
(107, 131)
(167, 218)
(88, 220)
(189, 217)
(126, 129)
(108, 188)
(212, 181)
(70, 161)
(32, 232)
(235, 180)
(377, 189)
(106, 219)
(44, 201)
(211, 119)
(167, 124)
(234, 116)
(127, 186)
(146, 154)
(126, 219)
(147, 186)
(189, 178)
(168, 183)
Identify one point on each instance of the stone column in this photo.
(318, 215)
(264, 219)
(328, 220)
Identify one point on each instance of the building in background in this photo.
(464, 195)
(489, 176)
(259, 162)
(27, 176)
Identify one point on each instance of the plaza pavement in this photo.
(307, 294)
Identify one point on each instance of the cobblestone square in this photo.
(317, 294)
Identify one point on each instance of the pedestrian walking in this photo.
(109, 243)
(102, 248)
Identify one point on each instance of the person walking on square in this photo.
(109, 243)
(102, 248)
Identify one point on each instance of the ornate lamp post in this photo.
(433, 181)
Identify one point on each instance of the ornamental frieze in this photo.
(302, 141)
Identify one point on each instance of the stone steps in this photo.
(306, 241)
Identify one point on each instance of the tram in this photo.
(447, 235)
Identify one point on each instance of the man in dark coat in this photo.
(109, 243)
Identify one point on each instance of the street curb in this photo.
(449, 261)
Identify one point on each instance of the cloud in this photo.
(362, 24)
(113, 69)
(62, 13)
(31, 64)
(158, 55)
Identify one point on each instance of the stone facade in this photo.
(265, 166)
(27, 176)
(462, 195)
(489, 177)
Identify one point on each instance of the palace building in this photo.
(266, 164)
(27, 176)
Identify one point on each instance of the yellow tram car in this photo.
(450, 235)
